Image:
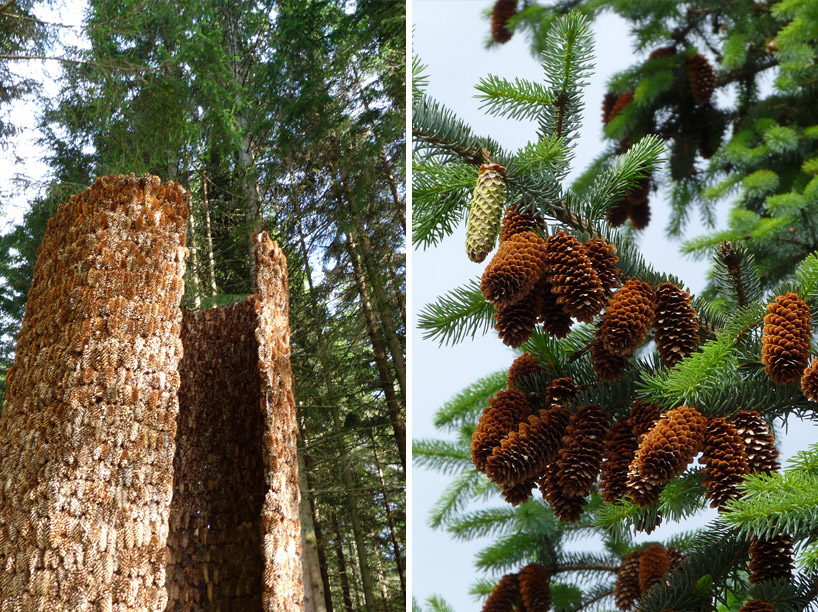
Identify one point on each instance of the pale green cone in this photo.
(486, 212)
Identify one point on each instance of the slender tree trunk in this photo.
(194, 256)
(392, 535)
(399, 297)
(319, 534)
(342, 564)
(211, 260)
(355, 580)
(314, 600)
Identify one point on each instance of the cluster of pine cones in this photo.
(527, 591)
(640, 570)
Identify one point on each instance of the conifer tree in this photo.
(633, 402)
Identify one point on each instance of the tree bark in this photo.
(342, 564)
(211, 260)
(314, 600)
(392, 535)
(319, 534)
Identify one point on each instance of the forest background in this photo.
(283, 116)
(450, 39)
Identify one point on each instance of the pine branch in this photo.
(459, 314)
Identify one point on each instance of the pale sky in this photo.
(449, 37)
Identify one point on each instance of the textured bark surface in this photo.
(87, 432)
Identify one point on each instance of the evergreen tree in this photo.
(623, 378)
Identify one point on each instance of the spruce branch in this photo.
(519, 99)
(459, 314)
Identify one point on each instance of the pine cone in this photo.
(526, 452)
(505, 596)
(702, 78)
(504, 413)
(535, 588)
(643, 417)
(670, 446)
(519, 493)
(676, 330)
(676, 557)
(626, 588)
(662, 52)
(757, 605)
(566, 507)
(560, 391)
(642, 493)
(640, 215)
(502, 12)
(771, 558)
(653, 565)
(621, 103)
(514, 270)
(581, 453)
(724, 460)
(640, 194)
(521, 367)
(603, 260)
(618, 213)
(572, 277)
(516, 323)
(608, 103)
(809, 381)
(608, 367)
(518, 219)
(620, 448)
(785, 344)
(759, 443)
(553, 317)
(485, 212)
(628, 317)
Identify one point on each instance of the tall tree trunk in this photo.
(399, 297)
(194, 256)
(211, 260)
(319, 534)
(342, 564)
(314, 600)
(392, 535)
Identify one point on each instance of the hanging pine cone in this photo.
(553, 317)
(572, 277)
(519, 493)
(757, 605)
(759, 443)
(519, 219)
(670, 446)
(676, 330)
(676, 557)
(581, 453)
(626, 587)
(702, 78)
(603, 260)
(628, 317)
(535, 588)
(521, 367)
(640, 215)
(504, 413)
(485, 212)
(653, 565)
(514, 270)
(771, 558)
(622, 101)
(608, 367)
(785, 344)
(502, 12)
(618, 213)
(642, 492)
(567, 508)
(662, 52)
(526, 452)
(643, 417)
(809, 381)
(505, 596)
(560, 391)
(515, 323)
(724, 461)
(607, 106)
(620, 448)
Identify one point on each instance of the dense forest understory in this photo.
(279, 116)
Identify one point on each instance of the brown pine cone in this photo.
(628, 318)
(502, 12)
(640, 194)
(809, 381)
(581, 453)
(670, 446)
(607, 106)
(535, 588)
(519, 493)
(601, 254)
(662, 52)
(560, 391)
(618, 213)
(621, 103)
(517, 220)
(515, 323)
(514, 270)
(553, 317)
(757, 605)
(504, 413)
(759, 443)
(724, 460)
(785, 344)
(640, 215)
(626, 587)
(642, 493)
(771, 558)
(676, 557)
(573, 278)
(526, 452)
(608, 367)
(567, 508)
(653, 565)
(676, 330)
(620, 448)
(702, 78)
(643, 417)
(505, 596)
(521, 367)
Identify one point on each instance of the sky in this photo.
(449, 37)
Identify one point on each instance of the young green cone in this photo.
(486, 212)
